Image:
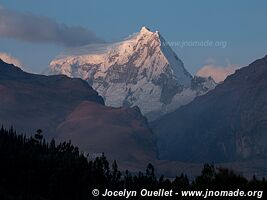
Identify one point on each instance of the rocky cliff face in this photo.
(69, 109)
(140, 71)
(226, 124)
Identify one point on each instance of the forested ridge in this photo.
(33, 169)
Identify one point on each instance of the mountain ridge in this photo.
(140, 71)
(229, 121)
(69, 109)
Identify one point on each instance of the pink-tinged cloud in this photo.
(218, 73)
(10, 59)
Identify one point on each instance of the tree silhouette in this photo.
(31, 170)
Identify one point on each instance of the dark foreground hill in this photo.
(32, 169)
(69, 109)
(227, 124)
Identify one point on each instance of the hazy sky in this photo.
(236, 29)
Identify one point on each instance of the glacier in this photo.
(141, 70)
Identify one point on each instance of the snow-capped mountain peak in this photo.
(141, 70)
(144, 30)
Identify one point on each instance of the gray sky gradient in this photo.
(239, 23)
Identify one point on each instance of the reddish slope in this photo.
(70, 109)
(121, 133)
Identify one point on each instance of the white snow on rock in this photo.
(140, 71)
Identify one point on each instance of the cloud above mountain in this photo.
(10, 59)
(218, 73)
(39, 29)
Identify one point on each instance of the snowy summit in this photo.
(142, 71)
